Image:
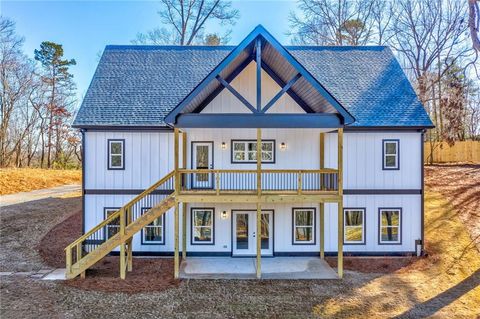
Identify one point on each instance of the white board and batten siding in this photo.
(148, 157)
(363, 156)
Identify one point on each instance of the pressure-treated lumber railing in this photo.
(273, 181)
(119, 227)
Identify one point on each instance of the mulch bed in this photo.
(149, 274)
(379, 265)
(51, 247)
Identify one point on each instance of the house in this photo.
(171, 136)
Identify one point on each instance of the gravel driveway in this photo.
(23, 197)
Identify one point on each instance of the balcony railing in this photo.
(272, 181)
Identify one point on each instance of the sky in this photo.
(84, 28)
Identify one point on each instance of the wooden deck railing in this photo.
(273, 181)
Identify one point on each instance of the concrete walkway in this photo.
(245, 268)
(18, 198)
(44, 274)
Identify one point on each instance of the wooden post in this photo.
(68, 257)
(259, 207)
(130, 255)
(340, 203)
(176, 254)
(176, 259)
(184, 205)
(122, 261)
(322, 204)
(129, 242)
(79, 256)
(122, 245)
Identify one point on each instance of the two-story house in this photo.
(171, 137)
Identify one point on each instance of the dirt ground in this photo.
(445, 284)
(460, 184)
(14, 180)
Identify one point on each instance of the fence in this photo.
(464, 151)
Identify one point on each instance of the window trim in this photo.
(400, 226)
(314, 226)
(364, 227)
(232, 157)
(142, 235)
(192, 237)
(109, 155)
(384, 166)
(105, 216)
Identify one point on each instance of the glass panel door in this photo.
(266, 242)
(202, 155)
(244, 233)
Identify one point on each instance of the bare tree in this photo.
(186, 20)
(16, 78)
(332, 22)
(474, 23)
(428, 33)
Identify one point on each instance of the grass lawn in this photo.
(444, 284)
(14, 180)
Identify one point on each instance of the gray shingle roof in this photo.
(139, 85)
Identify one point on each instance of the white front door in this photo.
(244, 233)
(202, 158)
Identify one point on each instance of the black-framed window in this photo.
(391, 154)
(202, 226)
(390, 226)
(116, 154)
(154, 233)
(113, 227)
(303, 222)
(245, 151)
(354, 226)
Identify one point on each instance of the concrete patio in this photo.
(245, 268)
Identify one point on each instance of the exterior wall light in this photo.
(224, 214)
(283, 146)
(224, 146)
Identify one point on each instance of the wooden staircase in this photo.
(118, 229)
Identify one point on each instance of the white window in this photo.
(390, 154)
(154, 233)
(303, 226)
(246, 151)
(114, 226)
(116, 154)
(202, 226)
(354, 226)
(390, 226)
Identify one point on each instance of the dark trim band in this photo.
(376, 129)
(259, 120)
(94, 128)
(382, 191)
(124, 191)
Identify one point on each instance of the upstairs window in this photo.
(304, 226)
(390, 226)
(116, 154)
(245, 151)
(391, 154)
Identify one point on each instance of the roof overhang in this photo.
(321, 120)
(311, 95)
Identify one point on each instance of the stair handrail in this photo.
(118, 213)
